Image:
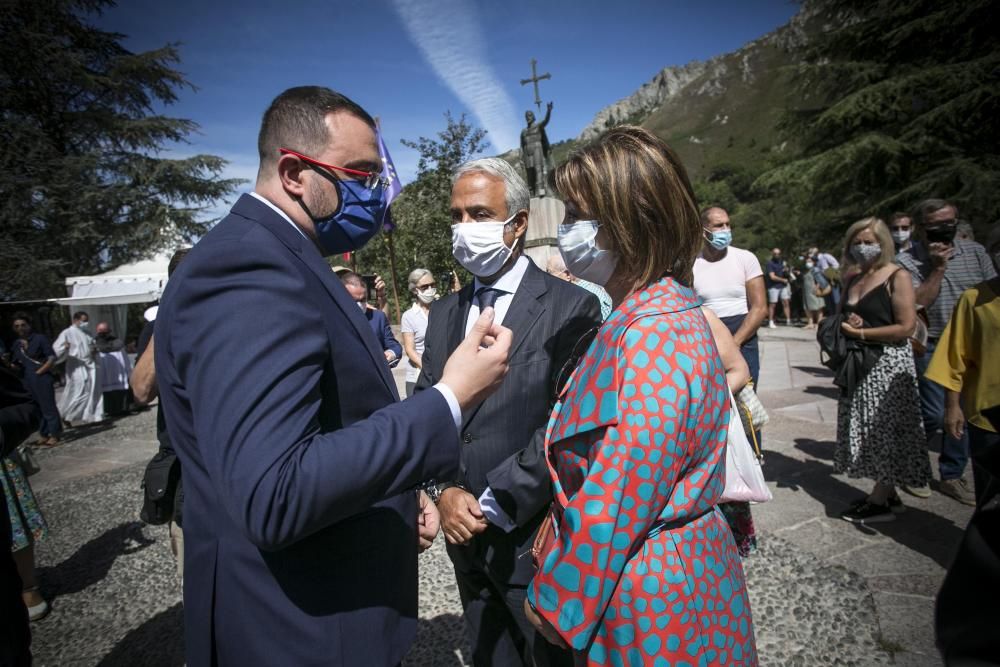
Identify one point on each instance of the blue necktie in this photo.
(487, 296)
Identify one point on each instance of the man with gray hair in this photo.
(491, 510)
(555, 266)
(942, 267)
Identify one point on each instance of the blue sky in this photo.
(403, 60)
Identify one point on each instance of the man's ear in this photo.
(290, 170)
(520, 223)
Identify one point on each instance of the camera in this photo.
(941, 234)
(370, 294)
(444, 283)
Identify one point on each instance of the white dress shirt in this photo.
(508, 284)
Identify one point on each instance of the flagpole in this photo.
(392, 270)
(391, 246)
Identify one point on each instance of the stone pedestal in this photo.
(543, 218)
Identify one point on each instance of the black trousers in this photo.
(42, 389)
(498, 630)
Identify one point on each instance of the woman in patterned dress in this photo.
(880, 433)
(644, 569)
(27, 527)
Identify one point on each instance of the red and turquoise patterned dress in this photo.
(644, 570)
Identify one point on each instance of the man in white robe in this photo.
(82, 399)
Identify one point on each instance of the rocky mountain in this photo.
(723, 110)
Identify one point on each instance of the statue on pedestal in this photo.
(534, 142)
(535, 152)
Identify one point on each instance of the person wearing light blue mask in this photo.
(300, 462)
(636, 441)
(730, 282)
(491, 509)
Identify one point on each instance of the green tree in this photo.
(83, 186)
(422, 235)
(905, 105)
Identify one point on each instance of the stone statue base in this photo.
(543, 219)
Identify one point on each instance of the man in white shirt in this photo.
(730, 282)
(491, 510)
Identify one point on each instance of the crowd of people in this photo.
(95, 375)
(577, 414)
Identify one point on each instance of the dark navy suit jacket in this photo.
(299, 460)
(383, 332)
(503, 437)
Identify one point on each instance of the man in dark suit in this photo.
(492, 508)
(301, 521)
(379, 323)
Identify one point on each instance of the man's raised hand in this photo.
(478, 365)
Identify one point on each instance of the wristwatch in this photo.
(434, 490)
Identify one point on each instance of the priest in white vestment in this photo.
(82, 399)
(114, 368)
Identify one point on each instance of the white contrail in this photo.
(448, 34)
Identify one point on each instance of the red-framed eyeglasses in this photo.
(369, 178)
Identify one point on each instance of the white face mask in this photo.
(578, 247)
(479, 246)
(427, 296)
(901, 236)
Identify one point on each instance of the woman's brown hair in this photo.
(635, 186)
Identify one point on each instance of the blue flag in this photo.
(393, 188)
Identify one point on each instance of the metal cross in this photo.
(535, 79)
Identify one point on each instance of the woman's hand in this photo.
(855, 321)
(849, 331)
(543, 627)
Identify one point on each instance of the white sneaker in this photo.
(772, 325)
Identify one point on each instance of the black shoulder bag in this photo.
(159, 485)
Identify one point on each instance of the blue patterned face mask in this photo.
(361, 212)
(355, 222)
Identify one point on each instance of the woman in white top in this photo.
(423, 287)
(731, 284)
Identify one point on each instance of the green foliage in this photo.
(422, 238)
(909, 108)
(82, 185)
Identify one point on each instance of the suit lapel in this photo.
(457, 318)
(525, 309)
(252, 209)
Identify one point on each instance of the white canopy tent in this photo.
(140, 282)
(105, 295)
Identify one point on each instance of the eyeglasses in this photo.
(576, 354)
(371, 179)
(424, 288)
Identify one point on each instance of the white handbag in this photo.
(744, 476)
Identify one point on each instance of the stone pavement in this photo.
(823, 591)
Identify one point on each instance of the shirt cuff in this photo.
(456, 409)
(494, 513)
